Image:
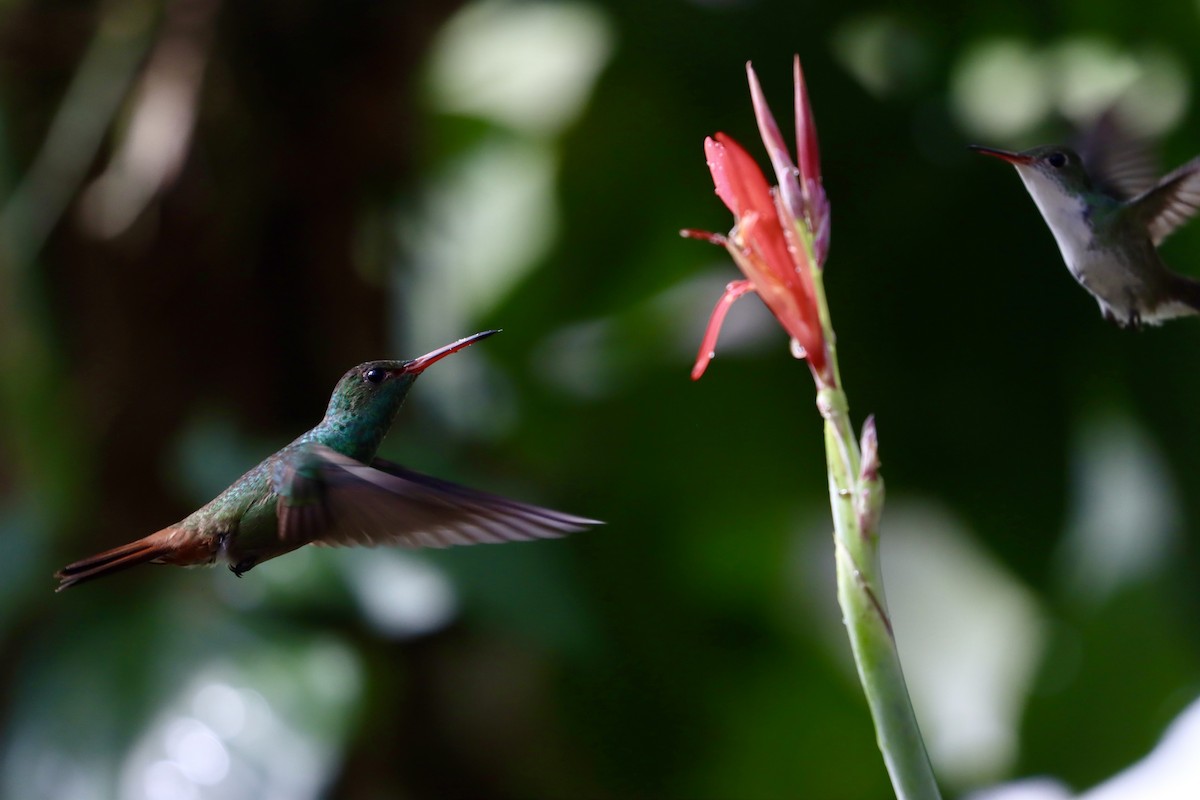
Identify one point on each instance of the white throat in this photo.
(1064, 213)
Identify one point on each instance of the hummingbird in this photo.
(1108, 215)
(328, 488)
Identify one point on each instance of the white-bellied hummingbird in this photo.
(1108, 214)
(328, 488)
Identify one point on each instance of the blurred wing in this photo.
(1172, 202)
(1120, 164)
(298, 479)
(386, 503)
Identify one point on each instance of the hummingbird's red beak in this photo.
(420, 363)
(1003, 155)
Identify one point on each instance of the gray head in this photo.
(1056, 163)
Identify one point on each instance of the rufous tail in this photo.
(154, 547)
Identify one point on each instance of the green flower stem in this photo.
(856, 500)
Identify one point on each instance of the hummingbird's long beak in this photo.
(420, 363)
(1003, 155)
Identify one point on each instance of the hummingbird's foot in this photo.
(243, 566)
(1135, 316)
(1133, 321)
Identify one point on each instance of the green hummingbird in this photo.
(1108, 215)
(328, 488)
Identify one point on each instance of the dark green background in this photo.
(689, 648)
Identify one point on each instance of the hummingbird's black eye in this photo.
(375, 374)
(1057, 160)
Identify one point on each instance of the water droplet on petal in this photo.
(798, 350)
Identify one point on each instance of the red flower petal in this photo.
(747, 187)
(758, 222)
(777, 151)
(808, 155)
(714, 154)
(708, 346)
(705, 236)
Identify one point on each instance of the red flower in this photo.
(778, 233)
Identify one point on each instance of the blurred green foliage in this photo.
(361, 180)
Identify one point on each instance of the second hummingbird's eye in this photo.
(1057, 160)
(375, 374)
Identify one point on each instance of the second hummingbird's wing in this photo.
(385, 503)
(1171, 203)
(1120, 164)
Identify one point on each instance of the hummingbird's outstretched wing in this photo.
(1172, 202)
(1120, 164)
(343, 502)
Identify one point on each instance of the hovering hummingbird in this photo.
(328, 488)
(1108, 215)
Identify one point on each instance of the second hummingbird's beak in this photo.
(420, 363)
(1003, 155)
